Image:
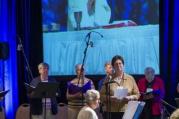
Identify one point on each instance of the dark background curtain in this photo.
(21, 19)
(169, 47)
(29, 32)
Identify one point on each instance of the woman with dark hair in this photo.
(120, 80)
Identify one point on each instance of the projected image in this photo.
(54, 15)
(62, 15)
(129, 28)
(88, 14)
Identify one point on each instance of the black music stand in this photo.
(3, 93)
(44, 90)
(177, 102)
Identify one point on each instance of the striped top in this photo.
(75, 90)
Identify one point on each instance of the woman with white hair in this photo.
(92, 102)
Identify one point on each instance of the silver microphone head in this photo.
(19, 47)
(110, 77)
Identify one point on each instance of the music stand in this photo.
(44, 90)
(3, 93)
(177, 101)
(133, 110)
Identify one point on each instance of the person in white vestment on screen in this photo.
(88, 13)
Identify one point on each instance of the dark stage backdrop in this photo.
(28, 28)
(169, 46)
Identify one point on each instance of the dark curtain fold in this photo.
(169, 47)
(8, 67)
(29, 32)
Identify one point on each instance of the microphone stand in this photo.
(20, 47)
(166, 103)
(165, 112)
(30, 76)
(88, 43)
(165, 109)
(108, 99)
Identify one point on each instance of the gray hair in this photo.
(149, 68)
(92, 95)
(43, 64)
(77, 66)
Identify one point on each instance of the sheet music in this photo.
(120, 92)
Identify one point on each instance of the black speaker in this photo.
(4, 50)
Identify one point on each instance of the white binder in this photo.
(133, 110)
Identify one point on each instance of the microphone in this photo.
(19, 45)
(109, 78)
(90, 44)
